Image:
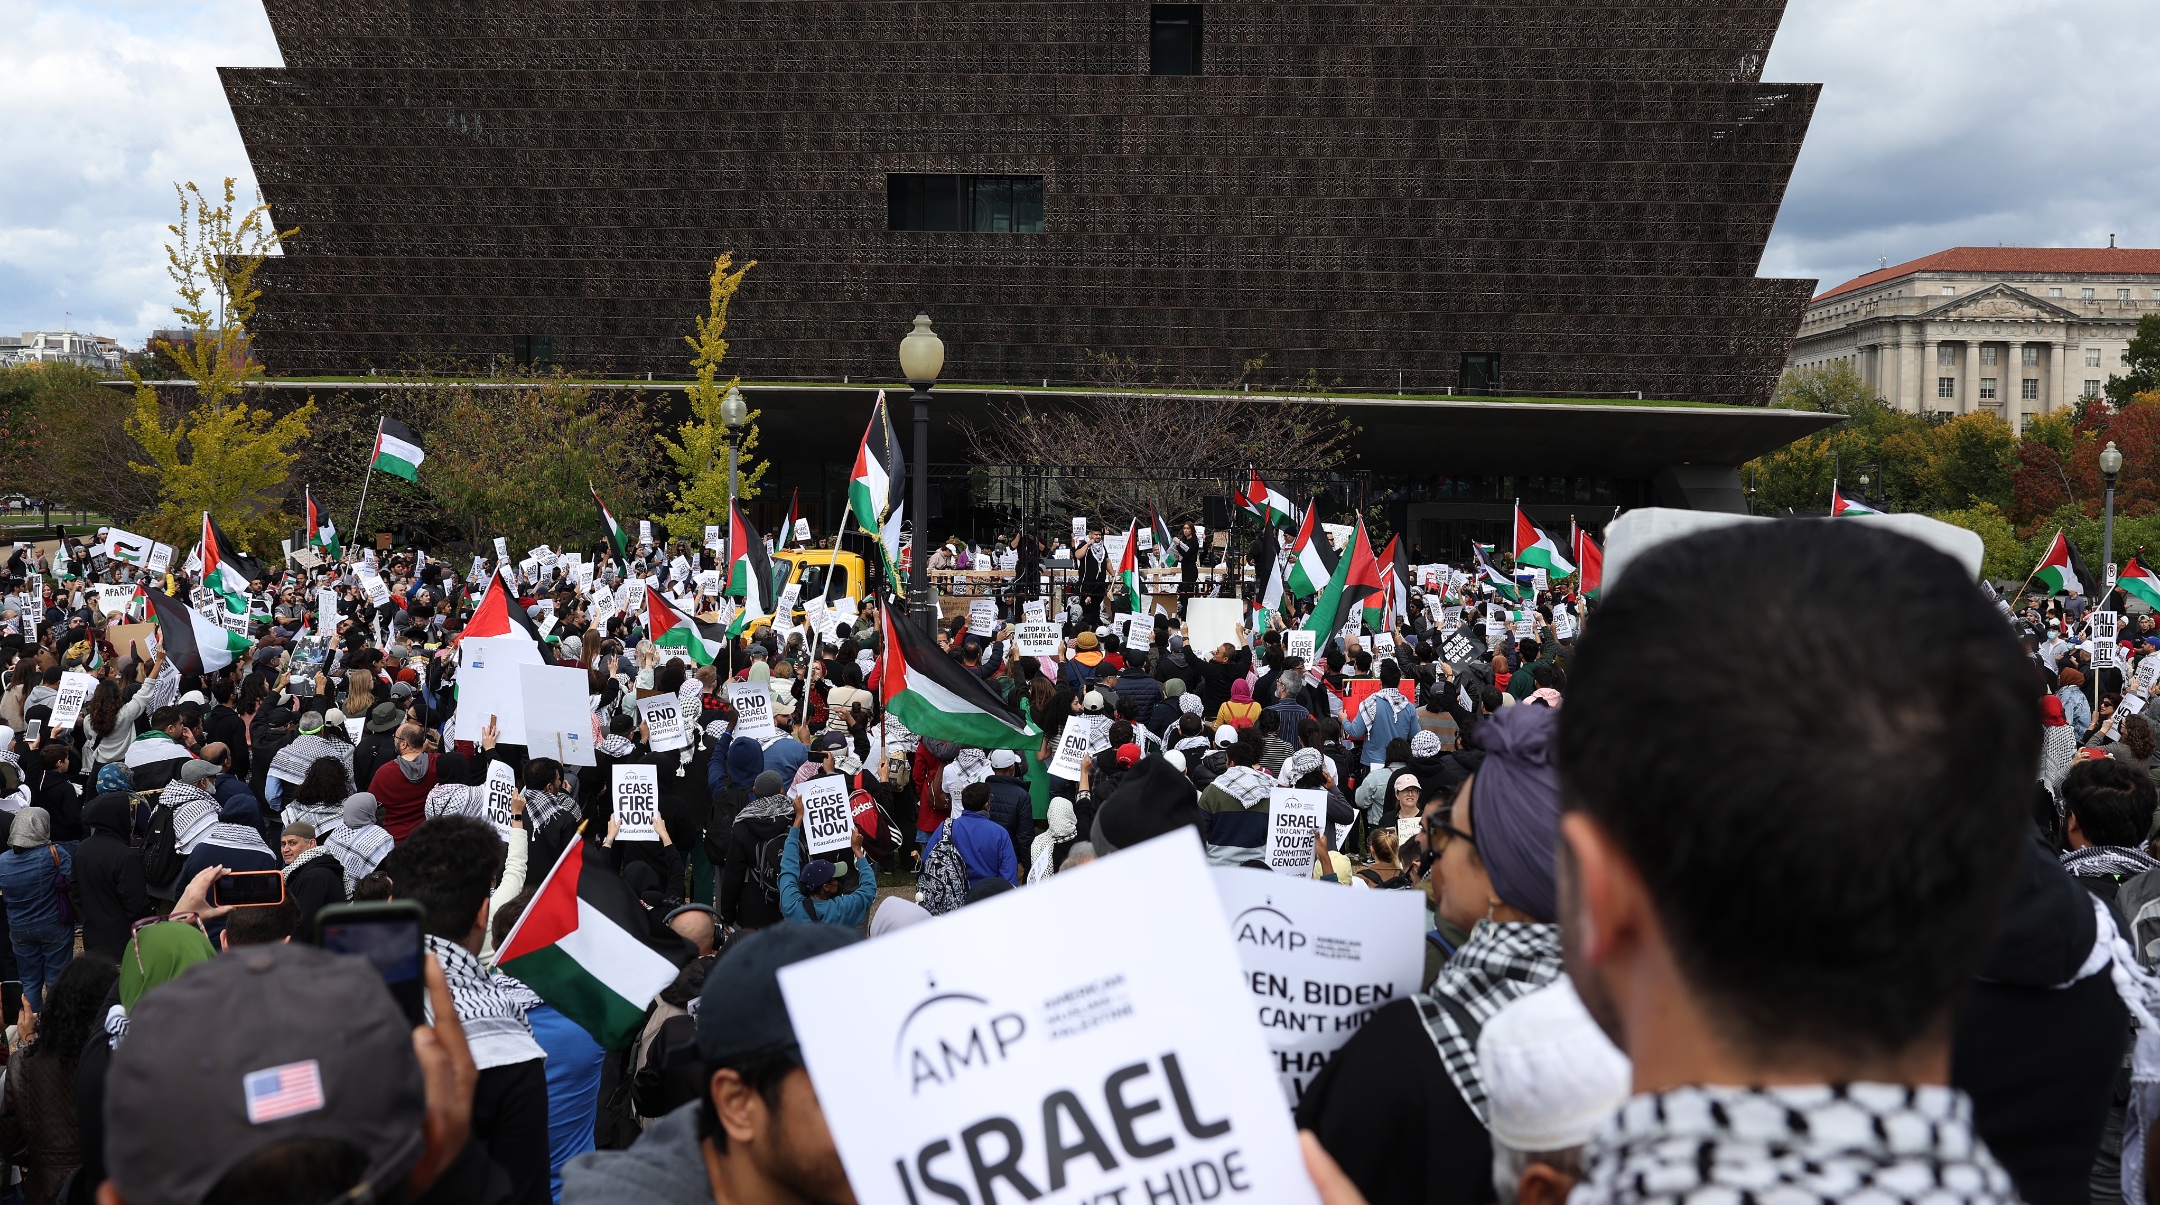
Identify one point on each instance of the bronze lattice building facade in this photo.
(1529, 196)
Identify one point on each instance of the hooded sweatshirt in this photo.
(110, 875)
(665, 1166)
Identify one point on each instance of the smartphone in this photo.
(388, 934)
(33, 732)
(248, 889)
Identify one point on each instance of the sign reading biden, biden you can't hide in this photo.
(1318, 961)
(990, 1068)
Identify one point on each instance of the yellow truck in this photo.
(808, 570)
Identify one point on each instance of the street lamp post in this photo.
(735, 413)
(2111, 461)
(922, 357)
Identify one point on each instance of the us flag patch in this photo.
(276, 1093)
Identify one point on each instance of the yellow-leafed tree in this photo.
(220, 456)
(700, 453)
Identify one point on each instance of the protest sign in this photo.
(666, 727)
(488, 683)
(1032, 610)
(708, 583)
(1038, 639)
(1495, 631)
(644, 531)
(789, 595)
(802, 531)
(712, 535)
(137, 640)
(558, 713)
(499, 792)
(1072, 747)
(753, 709)
(1293, 829)
(1458, 648)
(982, 617)
(161, 558)
(1114, 547)
(2147, 671)
(1383, 644)
(1140, 632)
(127, 547)
(1318, 961)
(1146, 542)
(502, 551)
(2105, 626)
(583, 573)
(113, 598)
(633, 599)
(827, 821)
(1213, 622)
(1047, 1056)
(1079, 534)
(1563, 624)
(637, 801)
(75, 690)
(378, 591)
(1297, 642)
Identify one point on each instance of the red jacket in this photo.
(404, 803)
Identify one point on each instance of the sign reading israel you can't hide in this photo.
(990, 1067)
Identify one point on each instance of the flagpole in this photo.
(369, 478)
(2035, 572)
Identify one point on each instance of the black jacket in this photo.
(110, 874)
(1014, 810)
(372, 753)
(1216, 677)
(311, 888)
(741, 902)
(223, 724)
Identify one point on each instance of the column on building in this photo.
(1930, 353)
(2058, 371)
(1969, 377)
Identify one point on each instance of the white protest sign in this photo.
(1293, 829)
(827, 823)
(502, 551)
(1319, 961)
(982, 617)
(1072, 747)
(644, 531)
(1523, 624)
(708, 582)
(1079, 533)
(1114, 546)
(1032, 610)
(633, 599)
(753, 709)
(75, 690)
(1298, 643)
(2105, 626)
(1140, 632)
(712, 535)
(2147, 671)
(558, 713)
(1146, 540)
(1563, 624)
(583, 573)
(498, 793)
(1383, 644)
(127, 547)
(1495, 631)
(666, 727)
(637, 801)
(802, 531)
(488, 683)
(1214, 622)
(113, 598)
(352, 733)
(160, 558)
(1038, 639)
(983, 1042)
(789, 596)
(378, 591)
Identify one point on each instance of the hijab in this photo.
(33, 828)
(1515, 807)
(112, 776)
(157, 955)
(895, 914)
(1241, 691)
(2051, 712)
(359, 810)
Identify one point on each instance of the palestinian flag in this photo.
(1536, 550)
(1355, 581)
(499, 613)
(321, 532)
(749, 576)
(225, 572)
(1266, 556)
(1499, 581)
(1312, 558)
(672, 631)
(1128, 564)
(1163, 545)
(1395, 578)
(397, 450)
(1843, 504)
(878, 484)
(616, 538)
(2140, 583)
(2062, 571)
(937, 697)
(1269, 504)
(1590, 562)
(194, 643)
(787, 529)
(584, 946)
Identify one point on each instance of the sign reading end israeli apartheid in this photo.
(1318, 961)
(827, 822)
(988, 1068)
(637, 801)
(753, 709)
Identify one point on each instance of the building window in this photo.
(1987, 357)
(2092, 357)
(1480, 372)
(2056, 292)
(980, 204)
(1174, 40)
(2122, 294)
(2085, 294)
(2030, 389)
(2092, 389)
(2029, 357)
(533, 349)
(1949, 290)
(1945, 386)
(1946, 355)
(1987, 387)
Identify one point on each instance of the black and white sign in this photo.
(666, 728)
(1075, 743)
(1038, 640)
(827, 823)
(1298, 643)
(1383, 644)
(753, 709)
(637, 801)
(1032, 610)
(2106, 626)
(378, 591)
(1140, 631)
(75, 691)
(1079, 535)
(1293, 829)
(982, 617)
(499, 793)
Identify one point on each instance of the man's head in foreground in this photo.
(1795, 762)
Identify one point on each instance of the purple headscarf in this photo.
(1515, 807)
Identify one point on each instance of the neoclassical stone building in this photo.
(2016, 331)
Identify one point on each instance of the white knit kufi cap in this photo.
(1551, 1075)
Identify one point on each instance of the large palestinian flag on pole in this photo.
(225, 572)
(194, 643)
(397, 450)
(786, 533)
(1269, 504)
(499, 613)
(1128, 564)
(1312, 558)
(1537, 550)
(1840, 504)
(2141, 583)
(584, 946)
(1590, 562)
(1395, 578)
(674, 632)
(2062, 571)
(750, 576)
(1355, 581)
(1165, 547)
(877, 487)
(321, 532)
(616, 538)
(937, 697)
(1500, 582)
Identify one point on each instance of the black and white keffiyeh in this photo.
(771, 807)
(1794, 1145)
(194, 813)
(616, 745)
(1249, 785)
(2107, 861)
(318, 851)
(236, 836)
(490, 1011)
(1499, 963)
(323, 816)
(359, 850)
(455, 799)
(291, 764)
(543, 806)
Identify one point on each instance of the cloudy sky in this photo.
(1943, 123)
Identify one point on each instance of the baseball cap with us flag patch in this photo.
(326, 1056)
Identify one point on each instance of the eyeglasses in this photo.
(1439, 832)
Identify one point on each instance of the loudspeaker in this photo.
(1215, 512)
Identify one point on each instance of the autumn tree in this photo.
(514, 461)
(64, 432)
(220, 456)
(700, 450)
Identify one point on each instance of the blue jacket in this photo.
(850, 909)
(26, 883)
(1378, 723)
(986, 848)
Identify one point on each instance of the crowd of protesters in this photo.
(1794, 877)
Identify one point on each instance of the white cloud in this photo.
(108, 103)
(1947, 123)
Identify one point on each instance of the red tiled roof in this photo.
(2015, 261)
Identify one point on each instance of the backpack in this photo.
(764, 871)
(944, 879)
(161, 858)
(1401, 881)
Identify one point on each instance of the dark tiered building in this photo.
(1528, 196)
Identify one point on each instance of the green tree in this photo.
(1969, 461)
(515, 462)
(2005, 556)
(2142, 358)
(64, 432)
(222, 456)
(700, 451)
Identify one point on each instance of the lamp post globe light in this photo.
(922, 357)
(735, 414)
(2111, 462)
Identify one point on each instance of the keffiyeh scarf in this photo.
(235, 836)
(616, 746)
(2105, 861)
(543, 806)
(194, 813)
(319, 851)
(1499, 963)
(359, 850)
(324, 816)
(493, 1017)
(291, 763)
(1795, 1144)
(1247, 784)
(771, 807)
(454, 799)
